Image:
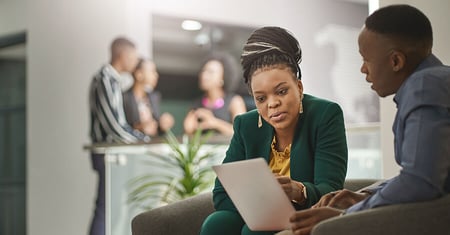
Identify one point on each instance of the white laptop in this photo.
(256, 193)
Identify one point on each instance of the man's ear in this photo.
(397, 60)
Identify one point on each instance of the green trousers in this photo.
(228, 223)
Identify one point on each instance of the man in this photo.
(108, 123)
(395, 44)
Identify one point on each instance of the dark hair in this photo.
(269, 46)
(138, 66)
(118, 45)
(230, 69)
(404, 22)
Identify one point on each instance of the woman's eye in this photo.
(260, 99)
(282, 91)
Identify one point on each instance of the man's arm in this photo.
(424, 156)
(110, 113)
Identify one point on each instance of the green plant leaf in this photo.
(190, 172)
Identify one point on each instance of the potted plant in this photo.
(185, 172)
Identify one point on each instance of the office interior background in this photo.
(49, 51)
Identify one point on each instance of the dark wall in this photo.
(12, 147)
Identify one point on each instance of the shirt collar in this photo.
(430, 61)
(113, 72)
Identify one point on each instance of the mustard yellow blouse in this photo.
(280, 162)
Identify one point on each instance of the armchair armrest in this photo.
(182, 217)
(359, 184)
(431, 217)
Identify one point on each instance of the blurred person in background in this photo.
(142, 102)
(108, 123)
(218, 106)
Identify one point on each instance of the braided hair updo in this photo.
(270, 46)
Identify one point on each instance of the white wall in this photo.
(438, 13)
(67, 42)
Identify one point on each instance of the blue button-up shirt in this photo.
(422, 139)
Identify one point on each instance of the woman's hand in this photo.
(206, 118)
(166, 122)
(190, 123)
(341, 199)
(150, 127)
(293, 189)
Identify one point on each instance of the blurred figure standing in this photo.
(219, 106)
(108, 123)
(141, 101)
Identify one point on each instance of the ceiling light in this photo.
(191, 25)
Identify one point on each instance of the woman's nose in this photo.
(273, 103)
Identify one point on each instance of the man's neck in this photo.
(117, 67)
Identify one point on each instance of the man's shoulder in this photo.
(102, 71)
(436, 78)
(440, 70)
(429, 86)
(103, 74)
(431, 71)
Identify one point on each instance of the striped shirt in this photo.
(108, 123)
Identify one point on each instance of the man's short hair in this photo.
(402, 22)
(118, 45)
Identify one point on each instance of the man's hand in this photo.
(304, 221)
(341, 199)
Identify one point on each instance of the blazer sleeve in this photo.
(155, 101)
(235, 152)
(330, 155)
(130, 108)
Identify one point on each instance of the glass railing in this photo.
(125, 163)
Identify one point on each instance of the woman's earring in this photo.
(259, 121)
(301, 105)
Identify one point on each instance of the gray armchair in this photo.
(180, 218)
(431, 217)
(186, 216)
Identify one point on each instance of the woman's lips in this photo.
(278, 116)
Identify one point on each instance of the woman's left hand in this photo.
(292, 188)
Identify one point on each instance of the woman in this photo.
(218, 106)
(301, 137)
(141, 101)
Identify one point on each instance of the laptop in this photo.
(256, 193)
